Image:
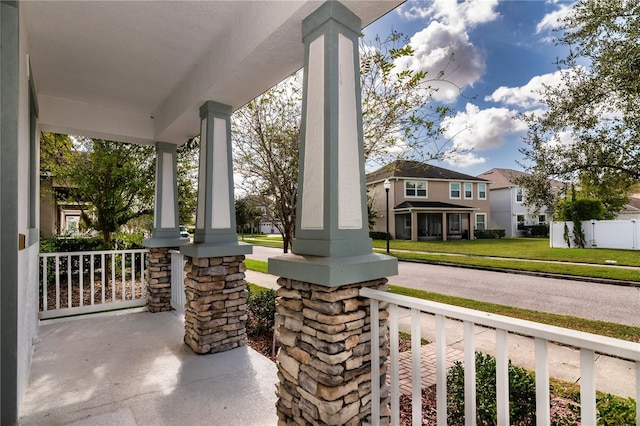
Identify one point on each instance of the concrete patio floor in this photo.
(134, 369)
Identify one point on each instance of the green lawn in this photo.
(262, 240)
(602, 328)
(520, 265)
(476, 251)
(518, 248)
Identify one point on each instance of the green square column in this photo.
(165, 232)
(332, 245)
(215, 233)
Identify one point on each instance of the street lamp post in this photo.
(387, 185)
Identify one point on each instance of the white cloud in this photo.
(446, 35)
(482, 129)
(462, 159)
(526, 96)
(554, 19)
(434, 47)
(529, 96)
(452, 12)
(479, 130)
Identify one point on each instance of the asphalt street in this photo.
(596, 301)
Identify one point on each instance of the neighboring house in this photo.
(508, 210)
(57, 217)
(631, 210)
(268, 227)
(427, 202)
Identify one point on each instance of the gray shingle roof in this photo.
(431, 205)
(417, 169)
(504, 178)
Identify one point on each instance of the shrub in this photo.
(541, 230)
(377, 235)
(522, 394)
(567, 235)
(613, 410)
(262, 310)
(489, 234)
(48, 245)
(67, 244)
(127, 241)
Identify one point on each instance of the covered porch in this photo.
(434, 220)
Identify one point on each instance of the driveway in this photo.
(565, 297)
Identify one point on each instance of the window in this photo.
(481, 221)
(518, 195)
(468, 190)
(454, 190)
(520, 220)
(413, 188)
(542, 219)
(482, 191)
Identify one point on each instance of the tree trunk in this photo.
(285, 242)
(106, 239)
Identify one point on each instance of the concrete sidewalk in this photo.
(613, 375)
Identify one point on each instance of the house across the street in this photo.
(508, 209)
(427, 202)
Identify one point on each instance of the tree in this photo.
(267, 138)
(590, 132)
(398, 117)
(577, 210)
(111, 182)
(247, 213)
(188, 156)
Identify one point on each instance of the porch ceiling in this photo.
(138, 71)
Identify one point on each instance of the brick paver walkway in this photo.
(428, 363)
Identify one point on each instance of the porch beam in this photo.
(414, 225)
(323, 325)
(165, 232)
(445, 226)
(215, 233)
(332, 245)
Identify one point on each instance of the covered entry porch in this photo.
(428, 220)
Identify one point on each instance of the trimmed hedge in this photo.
(377, 235)
(489, 234)
(540, 230)
(119, 241)
(262, 311)
(522, 393)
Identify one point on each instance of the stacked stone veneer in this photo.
(159, 279)
(215, 314)
(324, 360)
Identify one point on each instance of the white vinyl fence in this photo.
(615, 234)
(589, 345)
(76, 283)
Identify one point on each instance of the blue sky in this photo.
(504, 51)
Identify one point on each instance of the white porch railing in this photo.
(588, 344)
(76, 283)
(177, 280)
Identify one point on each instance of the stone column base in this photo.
(159, 279)
(324, 360)
(215, 313)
